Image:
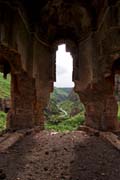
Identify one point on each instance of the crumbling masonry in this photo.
(30, 32)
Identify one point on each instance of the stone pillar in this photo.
(100, 105)
(42, 98)
(39, 112)
(21, 114)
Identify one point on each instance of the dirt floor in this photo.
(60, 156)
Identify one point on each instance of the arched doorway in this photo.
(64, 111)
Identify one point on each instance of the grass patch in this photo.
(67, 105)
(66, 125)
(4, 86)
(2, 120)
(119, 111)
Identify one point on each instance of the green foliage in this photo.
(4, 86)
(119, 111)
(56, 119)
(67, 105)
(67, 125)
(4, 92)
(2, 120)
(60, 94)
(64, 103)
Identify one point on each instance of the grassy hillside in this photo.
(4, 86)
(66, 100)
(2, 120)
(70, 124)
(4, 92)
(119, 111)
(60, 94)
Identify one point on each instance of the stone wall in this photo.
(28, 47)
(98, 94)
(41, 73)
(29, 67)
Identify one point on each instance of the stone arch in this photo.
(9, 63)
(98, 97)
(21, 114)
(12, 57)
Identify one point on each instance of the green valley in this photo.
(64, 110)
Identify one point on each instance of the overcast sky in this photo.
(64, 68)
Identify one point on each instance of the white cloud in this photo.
(64, 68)
(60, 70)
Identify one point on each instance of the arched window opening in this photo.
(64, 111)
(5, 97)
(64, 68)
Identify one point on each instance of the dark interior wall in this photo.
(85, 69)
(41, 68)
(106, 42)
(15, 33)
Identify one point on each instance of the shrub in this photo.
(67, 125)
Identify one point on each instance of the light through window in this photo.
(64, 68)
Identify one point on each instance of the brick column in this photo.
(21, 114)
(42, 97)
(100, 105)
(39, 113)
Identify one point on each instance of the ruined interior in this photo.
(29, 35)
(30, 32)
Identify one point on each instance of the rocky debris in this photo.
(60, 156)
(9, 139)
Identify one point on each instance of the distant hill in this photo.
(60, 94)
(65, 99)
(72, 104)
